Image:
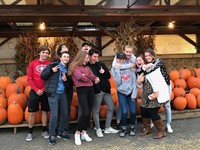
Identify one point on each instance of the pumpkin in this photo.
(3, 115)
(180, 83)
(172, 84)
(15, 113)
(2, 92)
(73, 113)
(116, 107)
(180, 103)
(22, 80)
(161, 109)
(185, 73)
(139, 93)
(138, 111)
(198, 100)
(195, 91)
(193, 81)
(27, 90)
(75, 100)
(103, 111)
(3, 103)
(4, 81)
(172, 96)
(191, 101)
(197, 72)
(114, 95)
(38, 115)
(173, 75)
(178, 91)
(19, 98)
(12, 88)
(112, 82)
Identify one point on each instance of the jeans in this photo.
(125, 101)
(59, 101)
(168, 113)
(107, 97)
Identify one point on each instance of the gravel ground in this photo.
(186, 136)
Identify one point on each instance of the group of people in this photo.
(53, 83)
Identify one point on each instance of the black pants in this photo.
(85, 98)
(150, 113)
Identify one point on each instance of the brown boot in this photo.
(147, 128)
(160, 128)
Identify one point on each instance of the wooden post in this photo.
(198, 43)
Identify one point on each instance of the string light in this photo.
(42, 26)
(171, 24)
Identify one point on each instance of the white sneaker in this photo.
(169, 128)
(77, 138)
(85, 136)
(29, 137)
(110, 130)
(151, 125)
(99, 133)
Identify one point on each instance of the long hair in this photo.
(152, 52)
(78, 60)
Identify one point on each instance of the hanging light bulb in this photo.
(171, 24)
(42, 26)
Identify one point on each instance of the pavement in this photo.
(186, 136)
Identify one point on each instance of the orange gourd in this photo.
(161, 109)
(2, 92)
(15, 113)
(112, 82)
(173, 75)
(139, 93)
(180, 83)
(198, 100)
(172, 96)
(12, 88)
(22, 80)
(4, 81)
(73, 113)
(75, 100)
(27, 90)
(195, 91)
(38, 115)
(3, 102)
(114, 95)
(3, 115)
(138, 111)
(180, 103)
(193, 81)
(185, 73)
(178, 91)
(191, 101)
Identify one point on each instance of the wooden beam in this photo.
(4, 41)
(83, 39)
(2, 1)
(62, 2)
(188, 40)
(101, 2)
(198, 42)
(16, 2)
(108, 43)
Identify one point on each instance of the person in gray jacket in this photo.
(55, 76)
(127, 93)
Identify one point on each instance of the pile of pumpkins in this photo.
(14, 99)
(185, 88)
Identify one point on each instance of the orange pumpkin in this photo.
(178, 91)
(22, 80)
(75, 100)
(195, 91)
(138, 111)
(193, 81)
(2, 92)
(27, 90)
(139, 93)
(185, 73)
(180, 83)
(196, 73)
(172, 84)
(3, 103)
(180, 103)
(198, 100)
(103, 111)
(4, 81)
(15, 113)
(3, 115)
(161, 109)
(38, 115)
(12, 88)
(112, 82)
(73, 113)
(114, 95)
(191, 101)
(172, 96)
(116, 107)
(174, 74)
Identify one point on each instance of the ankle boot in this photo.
(160, 128)
(147, 127)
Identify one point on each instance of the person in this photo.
(37, 93)
(165, 91)
(150, 107)
(83, 79)
(129, 63)
(127, 93)
(55, 82)
(70, 86)
(86, 46)
(102, 92)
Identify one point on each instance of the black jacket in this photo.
(104, 84)
(51, 79)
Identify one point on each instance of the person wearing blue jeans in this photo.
(127, 92)
(55, 76)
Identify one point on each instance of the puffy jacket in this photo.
(51, 79)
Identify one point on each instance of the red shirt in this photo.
(34, 70)
(83, 76)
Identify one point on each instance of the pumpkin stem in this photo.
(18, 90)
(195, 73)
